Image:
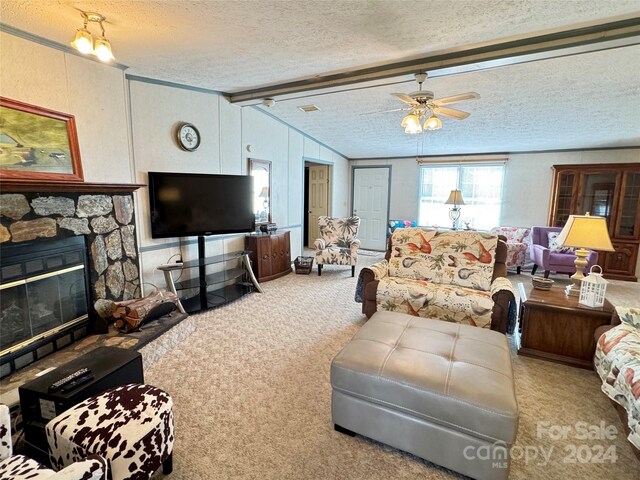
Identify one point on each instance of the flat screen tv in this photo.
(189, 204)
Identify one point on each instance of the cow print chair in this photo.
(19, 467)
(131, 426)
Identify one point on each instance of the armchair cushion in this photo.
(464, 259)
(336, 256)
(451, 303)
(554, 246)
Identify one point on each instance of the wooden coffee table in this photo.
(555, 327)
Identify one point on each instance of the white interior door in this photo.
(318, 198)
(370, 203)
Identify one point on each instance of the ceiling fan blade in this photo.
(405, 98)
(456, 98)
(386, 111)
(451, 112)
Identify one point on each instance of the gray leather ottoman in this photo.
(441, 391)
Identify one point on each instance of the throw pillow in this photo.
(553, 244)
(630, 316)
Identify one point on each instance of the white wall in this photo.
(93, 92)
(126, 128)
(527, 183)
(528, 180)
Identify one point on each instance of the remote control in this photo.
(69, 378)
(77, 382)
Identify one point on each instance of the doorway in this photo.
(317, 198)
(370, 200)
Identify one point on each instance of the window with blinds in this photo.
(481, 187)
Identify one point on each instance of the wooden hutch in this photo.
(607, 190)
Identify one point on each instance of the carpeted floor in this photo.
(252, 395)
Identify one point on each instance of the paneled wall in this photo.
(526, 192)
(93, 92)
(126, 128)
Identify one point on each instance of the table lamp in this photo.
(455, 199)
(582, 232)
(264, 194)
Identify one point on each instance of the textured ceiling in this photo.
(583, 101)
(233, 45)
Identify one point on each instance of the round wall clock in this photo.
(188, 137)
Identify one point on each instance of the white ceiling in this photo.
(581, 101)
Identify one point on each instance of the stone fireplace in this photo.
(104, 218)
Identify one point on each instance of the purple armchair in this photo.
(551, 260)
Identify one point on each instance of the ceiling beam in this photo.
(570, 42)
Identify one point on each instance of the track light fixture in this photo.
(83, 41)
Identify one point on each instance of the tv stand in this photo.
(223, 292)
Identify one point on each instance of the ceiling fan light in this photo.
(413, 128)
(102, 49)
(432, 123)
(83, 42)
(411, 124)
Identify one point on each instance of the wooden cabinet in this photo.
(607, 190)
(270, 255)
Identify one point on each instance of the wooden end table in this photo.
(556, 327)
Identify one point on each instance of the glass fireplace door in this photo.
(32, 307)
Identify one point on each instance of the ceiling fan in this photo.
(421, 104)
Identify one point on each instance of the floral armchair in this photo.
(517, 245)
(337, 244)
(617, 361)
(456, 276)
(19, 467)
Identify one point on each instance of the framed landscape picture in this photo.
(37, 144)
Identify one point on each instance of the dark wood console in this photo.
(608, 190)
(270, 254)
(556, 327)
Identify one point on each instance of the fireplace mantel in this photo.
(12, 186)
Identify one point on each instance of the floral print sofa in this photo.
(517, 245)
(456, 276)
(617, 361)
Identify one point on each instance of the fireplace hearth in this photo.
(44, 299)
(101, 217)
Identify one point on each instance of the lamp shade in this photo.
(83, 41)
(102, 49)
(585, 231)
(432, 123)
(455, 198)
(264, 193)
(411, 123)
